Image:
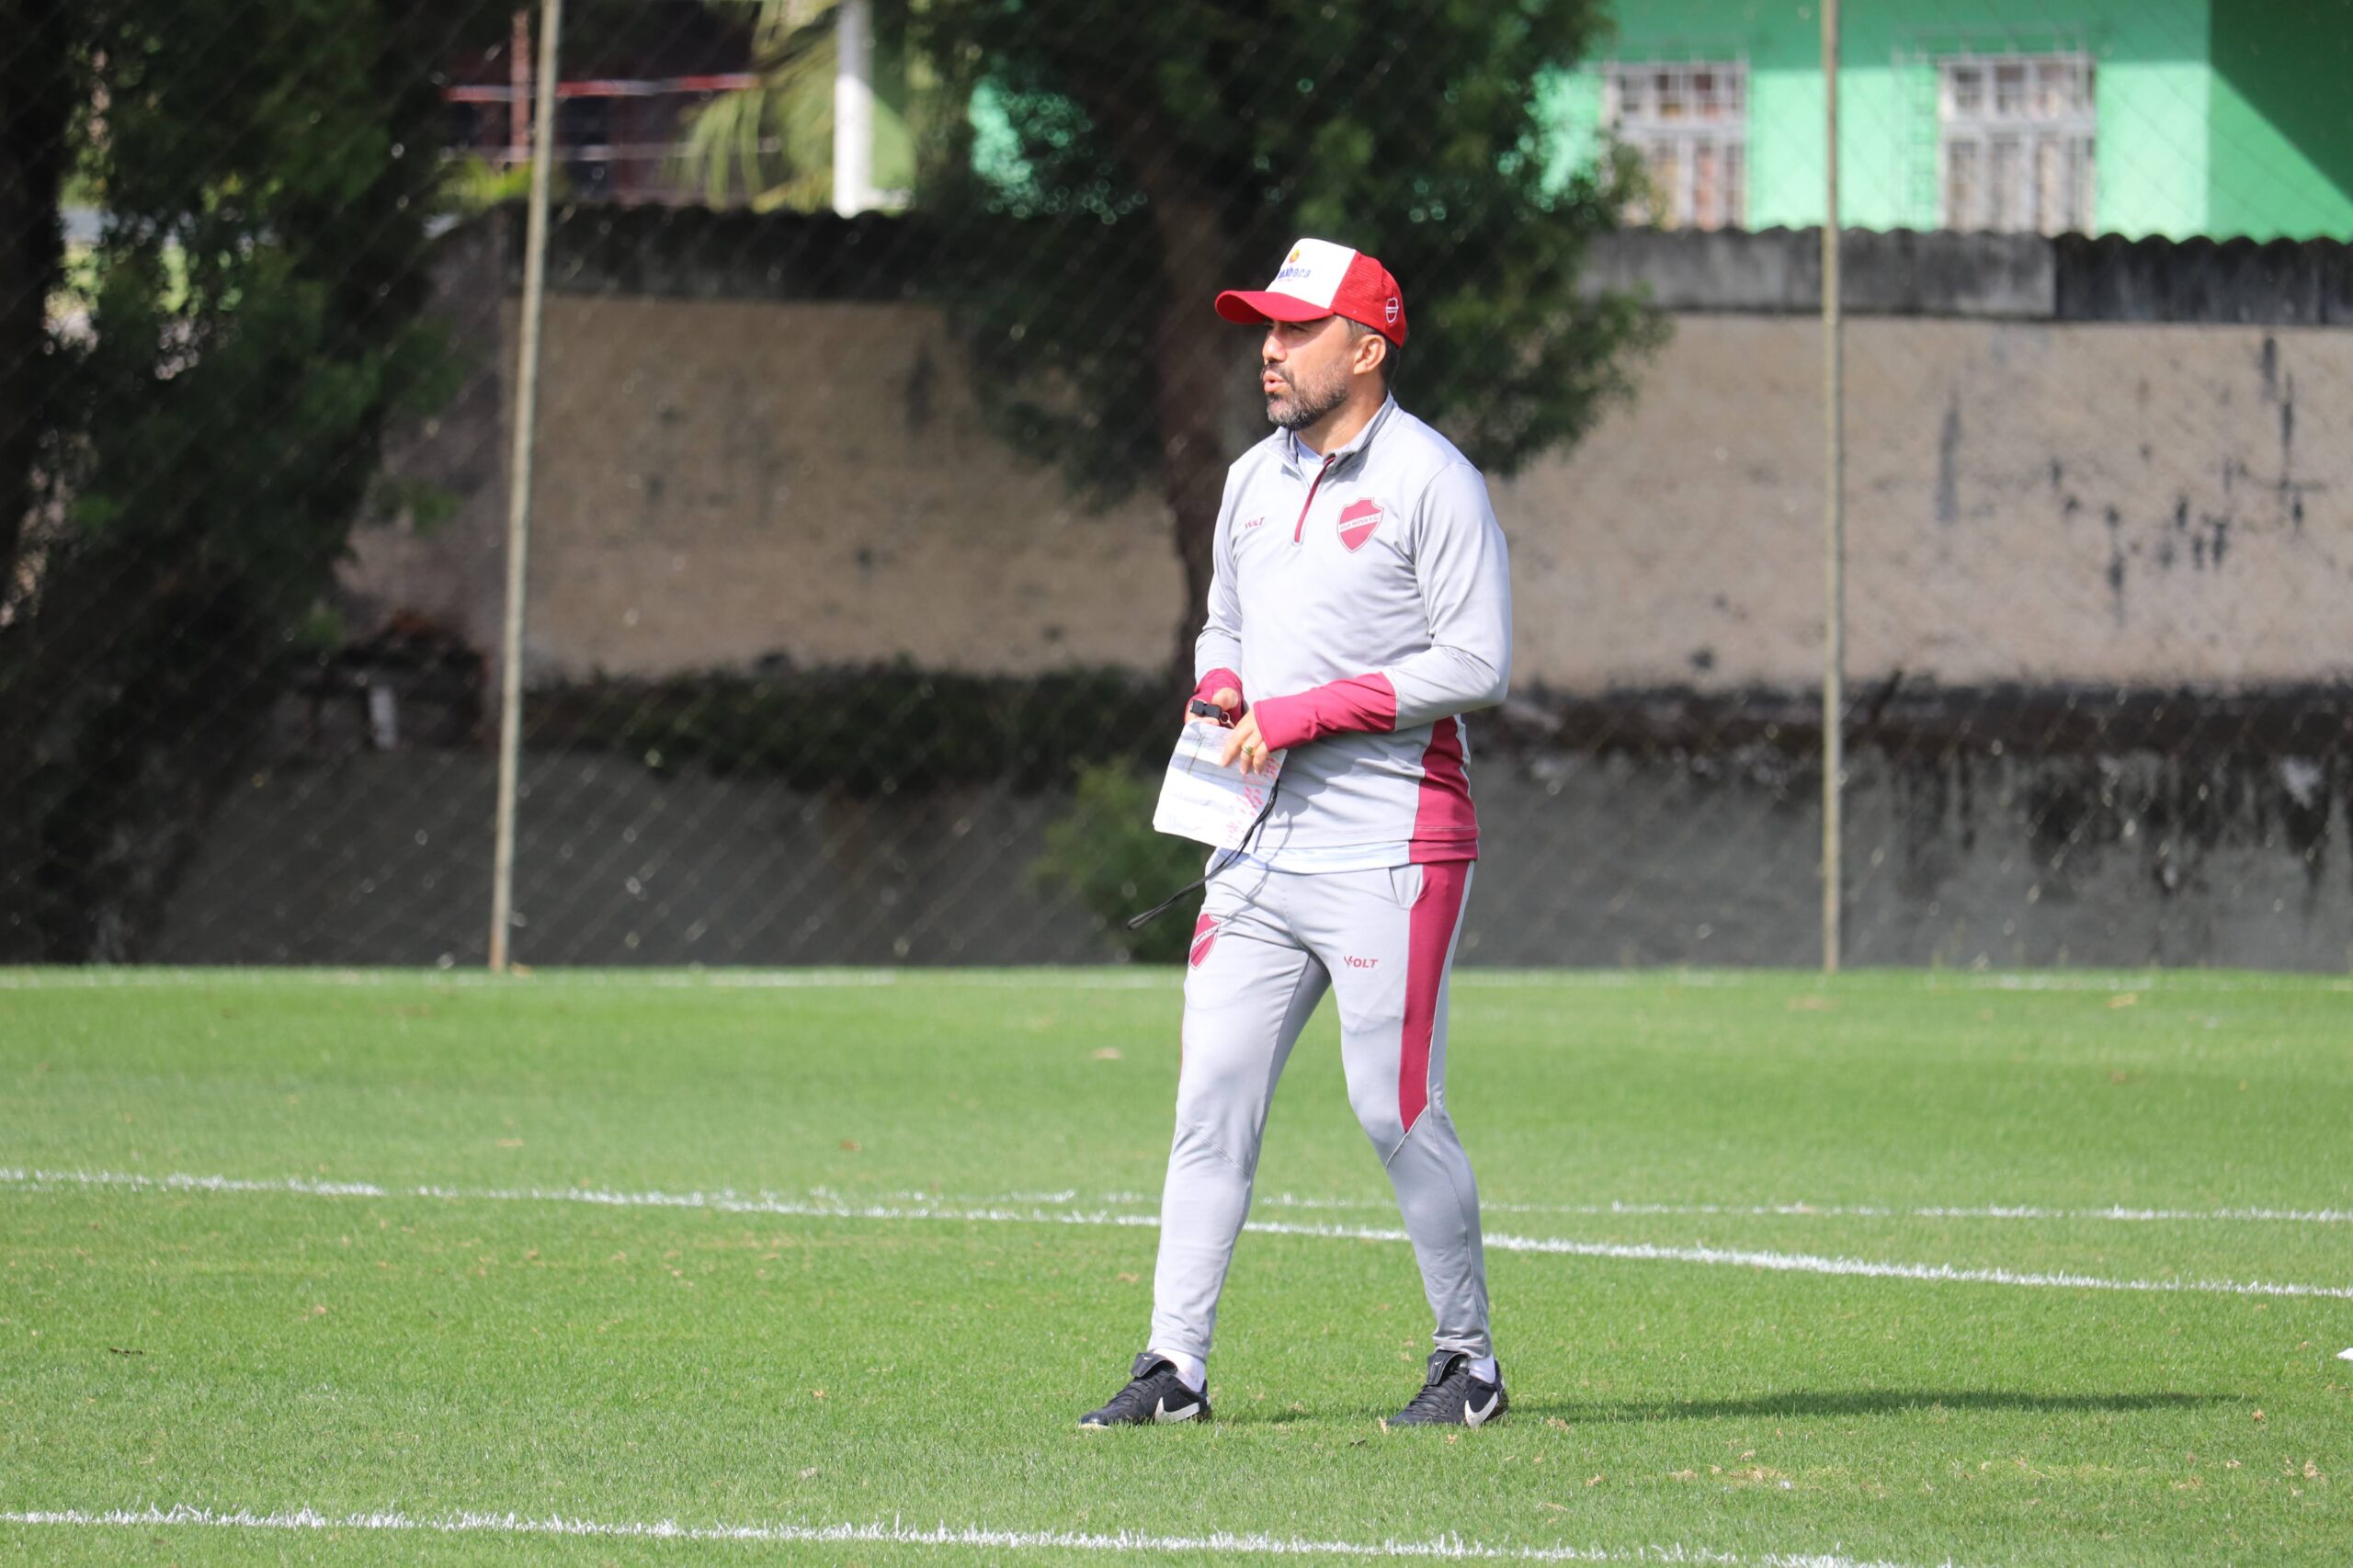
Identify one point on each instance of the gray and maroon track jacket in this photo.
(1361, 603)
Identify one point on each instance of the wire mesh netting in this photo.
(883, 421)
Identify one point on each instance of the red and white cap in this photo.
(1318, 279)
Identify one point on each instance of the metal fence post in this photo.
(518, 493)
(1833, 627)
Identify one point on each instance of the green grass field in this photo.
(435, 1258)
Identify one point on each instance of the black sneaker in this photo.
(1454, 1396)
(1155, 1395)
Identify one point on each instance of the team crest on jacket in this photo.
(1358, 519)
(1204, 939)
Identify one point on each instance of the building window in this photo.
(2014, 143)
(1687, 121)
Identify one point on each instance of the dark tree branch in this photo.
(38, 79)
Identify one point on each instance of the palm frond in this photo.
(771, 143)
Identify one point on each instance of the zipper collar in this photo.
(1300, 460)
(1298, 528)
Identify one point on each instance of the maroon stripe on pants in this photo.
(1446, 825)
(1429, 936)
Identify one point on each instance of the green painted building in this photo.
(2178, 118)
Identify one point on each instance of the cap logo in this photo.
(1389, 309)
(1317, 278)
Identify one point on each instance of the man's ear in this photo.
(1371, 365)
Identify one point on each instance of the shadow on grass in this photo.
(1868, 1402)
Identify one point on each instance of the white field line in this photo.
(103, 979)
(1097, 1208)
(828, 1208)
(898, 1534)
(2114, 1212)
(1105, 978)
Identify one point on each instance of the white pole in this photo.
(1834, 622)
(854, 107)
(519, 491)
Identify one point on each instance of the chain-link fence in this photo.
(862, 543)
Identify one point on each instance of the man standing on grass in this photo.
(1362, 604)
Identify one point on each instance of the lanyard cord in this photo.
(1225, 857)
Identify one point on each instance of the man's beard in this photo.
(1303, 406)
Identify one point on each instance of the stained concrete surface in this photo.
(1591, 860)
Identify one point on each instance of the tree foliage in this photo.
(771, 144)
(1104, 853)
(771, 141)
(1174, 149)
(1106, 167)
(225, 366)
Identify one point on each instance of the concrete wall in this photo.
(722, 481)
(385, 859)
(451, 574)
(2027, 502)
(2065, 504)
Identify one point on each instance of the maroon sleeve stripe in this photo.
(1218, 680)
(1359, 703)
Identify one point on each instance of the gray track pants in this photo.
(1268, 946)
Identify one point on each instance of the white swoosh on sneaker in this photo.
(1160, 1413)
(1473, 1415)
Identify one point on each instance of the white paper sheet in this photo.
(1200, 801)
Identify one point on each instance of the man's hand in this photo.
(1247, 744)
(1244, 741)
(1226, 698)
